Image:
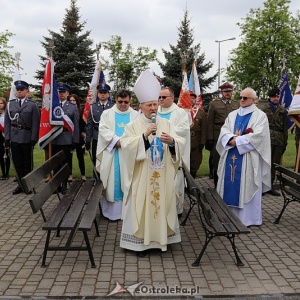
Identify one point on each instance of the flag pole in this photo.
(297, 158)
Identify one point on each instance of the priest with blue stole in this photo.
(151, 154)
(111, 128)
(245, 165)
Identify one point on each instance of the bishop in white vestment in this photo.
(149, 163)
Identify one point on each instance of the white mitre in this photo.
(147, 87)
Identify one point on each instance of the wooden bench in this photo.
(290, 187)
(215, 217)
(75, 211)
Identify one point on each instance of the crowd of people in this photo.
(138, 153)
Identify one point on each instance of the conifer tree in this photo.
(172, 68)
(74, 57)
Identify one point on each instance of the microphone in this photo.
(153, 120)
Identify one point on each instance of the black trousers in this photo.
(67, 150)
(4, 160)
(22, 156)
(80, 157)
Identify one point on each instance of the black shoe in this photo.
(273, 193)
(15, 180)
(17, 190)
(141, 253)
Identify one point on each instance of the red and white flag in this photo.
(92, 92)
(294, 109)
(47, 131)
(185, 101)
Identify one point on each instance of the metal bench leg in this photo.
(46, 248)
(96, 227)
(286, 202)
(239, 263)
(89, 249)
(196, 263)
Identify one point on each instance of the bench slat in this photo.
(38, 200)
(32, 179)
(72, 216)
(55, 218)
(230, 220)
(89, 214)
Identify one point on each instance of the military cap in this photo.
(63, 87)
(226, 87)
(21, 84)
(103, 87)
(193, 94)
(274, 92)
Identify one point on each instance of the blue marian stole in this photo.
(233, 166)
(165, 116)
(120, 122)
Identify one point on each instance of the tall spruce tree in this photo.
(172, 68)
(73, 54)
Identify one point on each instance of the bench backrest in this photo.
(34, 178)
(289, 180)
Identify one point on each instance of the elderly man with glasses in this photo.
(179, 119)
(277, 117)
(245, 159)
(21, 129)
(218, 111)
(111, 128)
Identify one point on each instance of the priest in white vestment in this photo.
(179, 119)
(245, 159)
(151, 153)
(111, 128)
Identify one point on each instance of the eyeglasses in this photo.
(62, 92)
(20, 89)
(163, 97)
(245, 98)
(122, 101)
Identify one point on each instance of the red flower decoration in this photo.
(248, 130)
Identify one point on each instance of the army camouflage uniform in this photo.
(278, 133)
(217, 113)
(198, 139)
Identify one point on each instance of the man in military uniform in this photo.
(21, 128)
(198, 136)
(66, 140)
(217, 113)
(278, 131)
(92, 127)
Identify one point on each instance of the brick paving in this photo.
(271, 254)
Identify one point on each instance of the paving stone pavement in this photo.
(271, 254)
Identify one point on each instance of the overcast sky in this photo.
(151, 23)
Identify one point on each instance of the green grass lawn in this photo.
(288, 160)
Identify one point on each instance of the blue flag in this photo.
(286, 96)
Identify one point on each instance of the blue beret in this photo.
(21, 84)
(103, 87)
(63, 87)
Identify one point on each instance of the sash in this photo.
(233, 165)
(165, 116)
(120, 123)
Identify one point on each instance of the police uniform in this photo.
(21, 128)
(92, 126)
(277, 118)
(218, 111)
(66, 140)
